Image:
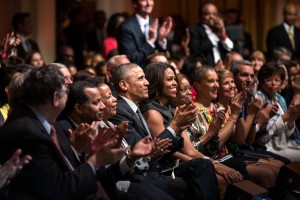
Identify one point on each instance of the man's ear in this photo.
(123, 85)
(77, 108)
(56, 99)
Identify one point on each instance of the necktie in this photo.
(291, 36)
(138, 112)
(55, 141)
(146, 31)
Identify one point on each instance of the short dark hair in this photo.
(40, 85)
(154, 73)
(19, 18)
(268, 70)
(198, 73)
(6, 75)
(82, 75)
(122, 73)
(77, 95)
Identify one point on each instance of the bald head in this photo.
(208, 14)
(114, 62)
(290, 13)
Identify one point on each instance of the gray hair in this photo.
(58, 65)
(122, 73)
(235, 64)
(280, 51)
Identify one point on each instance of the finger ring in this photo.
(161, 150)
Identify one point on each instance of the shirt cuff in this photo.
(172, 131)
(124, 168)
(163, 45)
(151, 44)
(256, 128)
(93, 168)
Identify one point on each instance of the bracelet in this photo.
(216, 162)
(206, 157)
(231, 120)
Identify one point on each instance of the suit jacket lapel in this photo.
(136, 119)
(286, 36)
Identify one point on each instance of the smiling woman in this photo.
(162, 88)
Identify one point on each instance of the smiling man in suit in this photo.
(140, 36)
(195, 179)
(286, 34)
(53, 172)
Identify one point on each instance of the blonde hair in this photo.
(222, 74)
(259, 55)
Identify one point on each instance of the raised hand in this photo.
(186, 40)
(153, 31)
(183, 117)
(293, 112)
(12, 167)
(104, 135)
(236, 103)
(121, 130)
(266, 113)
(254, 106)
(105, 152)
(161, 147)
(216, 123)
(142, 148)
(165, 29)
(8, 42)
(83, 135)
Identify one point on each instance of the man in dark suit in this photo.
(139, 36)
(22, 26)
(286, 34)
(209, 36)
(54, 172)
(129, 79)
(85, 107)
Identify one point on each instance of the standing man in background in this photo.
(22, 26)
(140, 36)
(286, 34)
(209, 36)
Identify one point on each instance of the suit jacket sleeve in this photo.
(132, 42)
(45, 177)
(200, 42)
(135, 132)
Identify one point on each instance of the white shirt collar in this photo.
(130, 103)
(287, 27)
(142, 21)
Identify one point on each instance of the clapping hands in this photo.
(12, 167)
